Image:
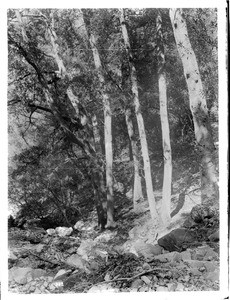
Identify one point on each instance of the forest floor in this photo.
(128, 258)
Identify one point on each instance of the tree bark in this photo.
(137, 187)
(140, 122)
(167, 181)
(107, 132)
(198, 107)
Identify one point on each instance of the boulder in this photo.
(19, 275)
(177, 239)
(63, 231)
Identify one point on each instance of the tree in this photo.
(167, 181)
(198, 106)
(75, 115)
(140, 122)
(107, 128)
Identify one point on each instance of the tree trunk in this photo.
(198, 107)
(140, 122)
(137, 187)
(107, 135)
(167, 181)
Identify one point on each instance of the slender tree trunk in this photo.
(107, 135)
(137, 187)
(198, 106)
(167, 182)
(140, 122)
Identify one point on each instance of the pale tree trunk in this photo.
(141, 127)
(107, 135)
(167, 181)
(198, 106)
(137, 187)
(107, 122)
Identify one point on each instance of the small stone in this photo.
(162, 289)
(52, 287)
(195, 272)
(214, 237)
(49, 278)
(146, 279)
(143, 289)
(32, 289)
(194, 263)
(42, 288)
(137, 283)
(186, 255)
(180, 287)
(45, 284)
(202, 269)
(146, 266)
(177, 257)
(213, 276)
(172, 286)
(37, 291)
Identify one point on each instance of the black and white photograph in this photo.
(115, 150)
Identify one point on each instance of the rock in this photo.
(205, 253)
(11, 256)
(194, 263)
(146, 279)
(39, 248)
(61, 274)
(180, 287)
(105, 237)
(63, 231)
(169, 257)
(172, 286)
(201, 212)
(137, 283)
(214, 237)
(37, 291)
(146, 266)
(128, 247)
(85, 249)
(19, 275)
(37, 273)
(186, 255)
(195, 272)
(213, 276)
(210, 266)
(71, 250)
(162, 289)
(79, 225)
(102, 253)
(76, 261)
(174, 240)
(51, 231)
(102, 288)
(148, 251)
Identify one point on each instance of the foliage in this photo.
(49, 175)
